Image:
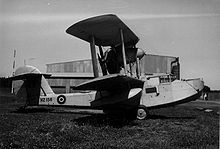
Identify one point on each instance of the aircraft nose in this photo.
(197, 84)
(140, 53)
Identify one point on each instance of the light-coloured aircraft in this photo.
(122, 89)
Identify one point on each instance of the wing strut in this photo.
(94, 59)
(138, 72)
(123, 51)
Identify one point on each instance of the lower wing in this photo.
(113, 82)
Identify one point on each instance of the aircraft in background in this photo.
(122, 88)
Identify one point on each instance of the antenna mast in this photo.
(13, 67)
(13, 72)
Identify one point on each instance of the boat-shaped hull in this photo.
(171, 93)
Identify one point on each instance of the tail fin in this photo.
(32, 86)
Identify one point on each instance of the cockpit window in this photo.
(165, 79)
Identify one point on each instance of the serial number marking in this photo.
(46, 99)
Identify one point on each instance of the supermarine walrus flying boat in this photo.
(122, 87)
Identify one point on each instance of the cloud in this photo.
(167, 16)
(42, 18)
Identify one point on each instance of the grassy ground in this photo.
(175, 127)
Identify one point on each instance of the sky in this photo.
(188, 29)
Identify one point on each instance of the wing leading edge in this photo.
(113, 82)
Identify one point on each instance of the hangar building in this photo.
(150, 64)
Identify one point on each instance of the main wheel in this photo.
(142, 113)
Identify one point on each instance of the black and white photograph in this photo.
(113, 74)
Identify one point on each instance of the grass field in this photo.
(175, 127)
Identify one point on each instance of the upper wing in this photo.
(105, 29)
(113, 82)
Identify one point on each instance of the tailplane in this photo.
(29, 83)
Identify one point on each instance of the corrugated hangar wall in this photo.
(60, 67)
(149, 64)
(71, 67)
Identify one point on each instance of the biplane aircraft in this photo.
(122, 88)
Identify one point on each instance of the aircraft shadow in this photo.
(170, 117)
(32, 110)
(102, 120)
(54, 111)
